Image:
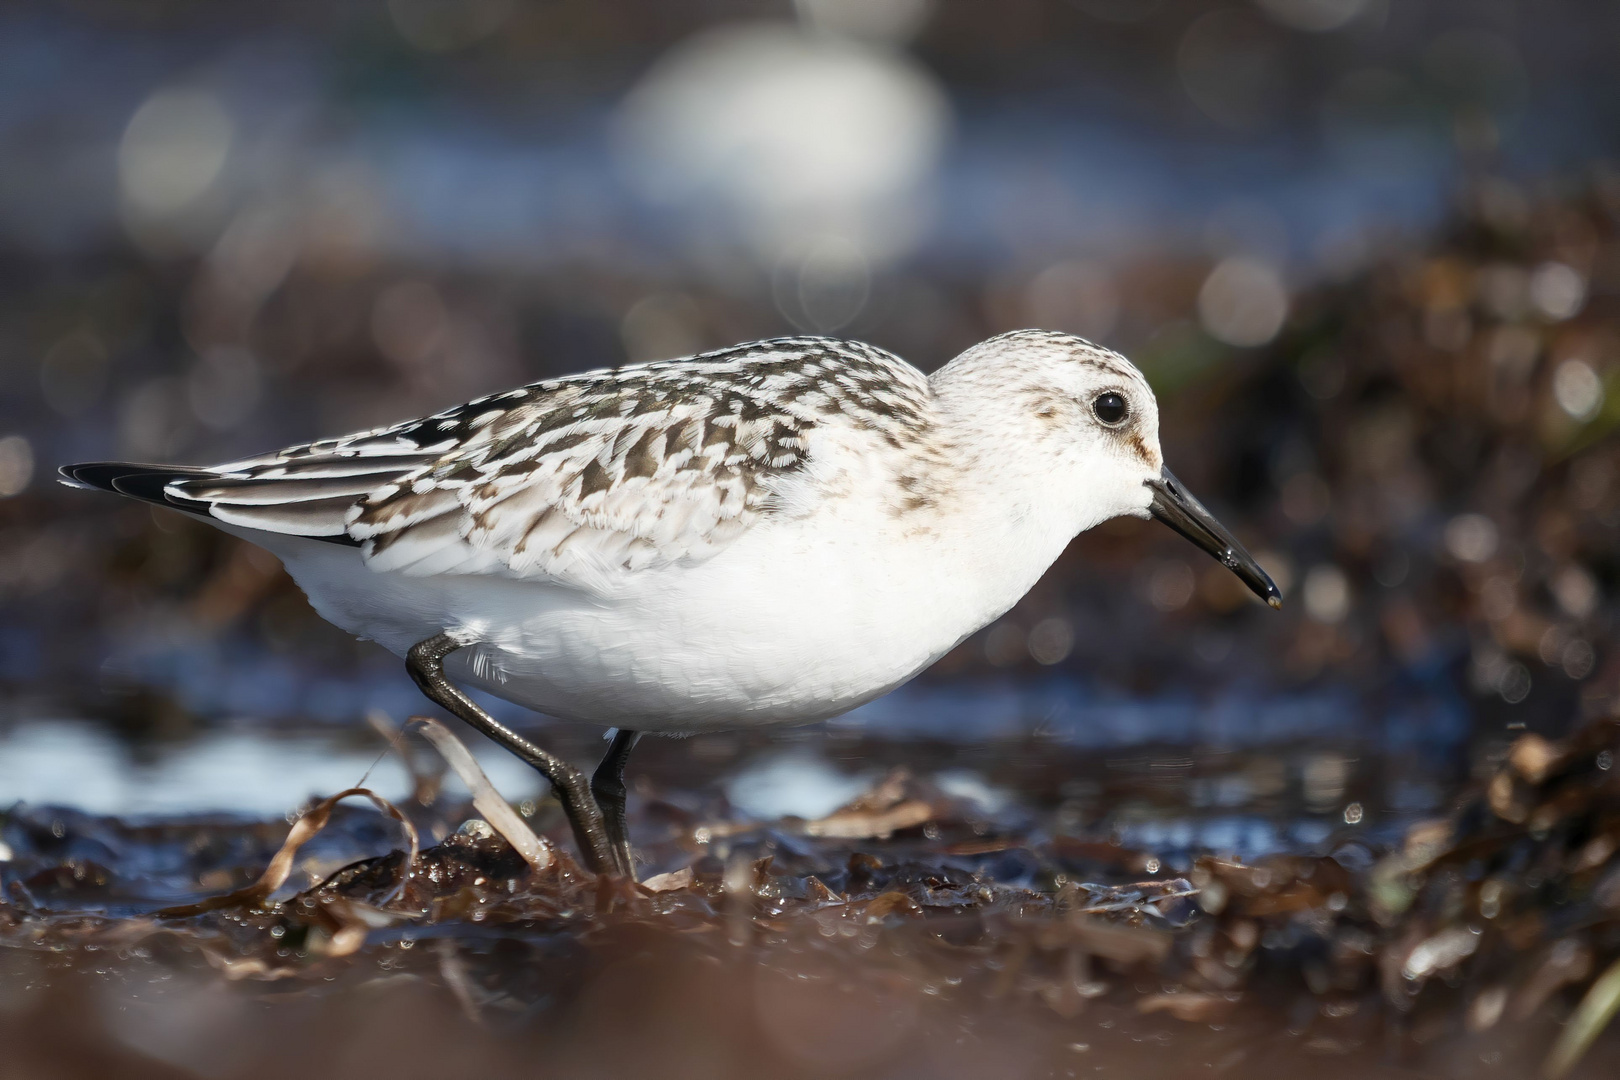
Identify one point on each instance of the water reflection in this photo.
(1174, 777)
(60, 762)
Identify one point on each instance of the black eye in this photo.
(1109, 407)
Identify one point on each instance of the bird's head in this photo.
(1097, 415)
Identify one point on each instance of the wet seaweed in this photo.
(1493, 918)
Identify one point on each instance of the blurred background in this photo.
(1365, 250)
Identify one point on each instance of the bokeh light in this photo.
(173, 153)
(786, 137)
(1243, 302)
(1233, 66)
(1557, 290)
(1578, 389)
(16, 465)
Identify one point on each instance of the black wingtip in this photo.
(91, 474)
(144, 482)
(149, 483)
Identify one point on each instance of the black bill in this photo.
(1174, 505)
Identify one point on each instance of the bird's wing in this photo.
(580, 478)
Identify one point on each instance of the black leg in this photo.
(607, 784)
(425, 662)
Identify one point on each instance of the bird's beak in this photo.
(1174, 505)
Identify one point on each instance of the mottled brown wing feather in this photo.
(572, 479)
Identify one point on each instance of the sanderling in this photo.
(771, 533)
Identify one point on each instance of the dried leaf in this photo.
(1193, 1008)
(891, 903)
(675, 879)
(281, 864)
(490, 803)
(849, 824)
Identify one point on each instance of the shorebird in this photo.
(773, 533)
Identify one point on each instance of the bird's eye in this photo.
(1109, 407)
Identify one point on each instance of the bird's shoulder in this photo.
(790, 382)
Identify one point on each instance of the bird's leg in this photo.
(425, 662)
(607, 784)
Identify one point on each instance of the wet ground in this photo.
(1039, 912)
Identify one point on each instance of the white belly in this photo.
(796, 621)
